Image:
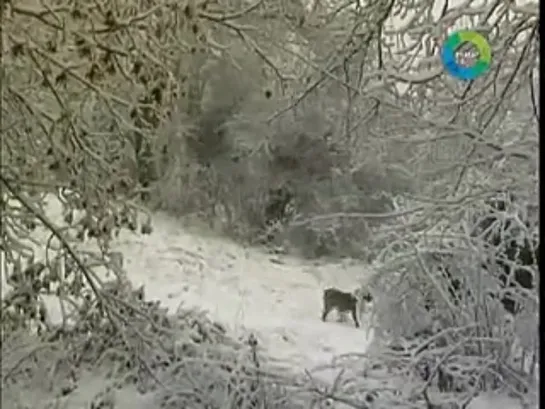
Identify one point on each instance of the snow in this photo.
(245, 290)
(276, 298)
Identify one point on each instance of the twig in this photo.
(17, 195)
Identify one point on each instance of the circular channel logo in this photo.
(453, 65)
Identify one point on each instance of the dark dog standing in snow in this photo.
(344, 302)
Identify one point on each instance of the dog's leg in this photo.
(325, 312)
(355, 317)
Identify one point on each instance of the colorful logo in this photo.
(451, 45)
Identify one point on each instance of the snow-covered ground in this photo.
(277, 298)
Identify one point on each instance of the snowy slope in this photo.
(246, 290)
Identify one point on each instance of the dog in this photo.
(334, 298)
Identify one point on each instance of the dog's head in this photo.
(367, 297)
(364, 295)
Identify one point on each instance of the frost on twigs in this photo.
(41, 258)
(457, 301)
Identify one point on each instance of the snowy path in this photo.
(246, 290)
